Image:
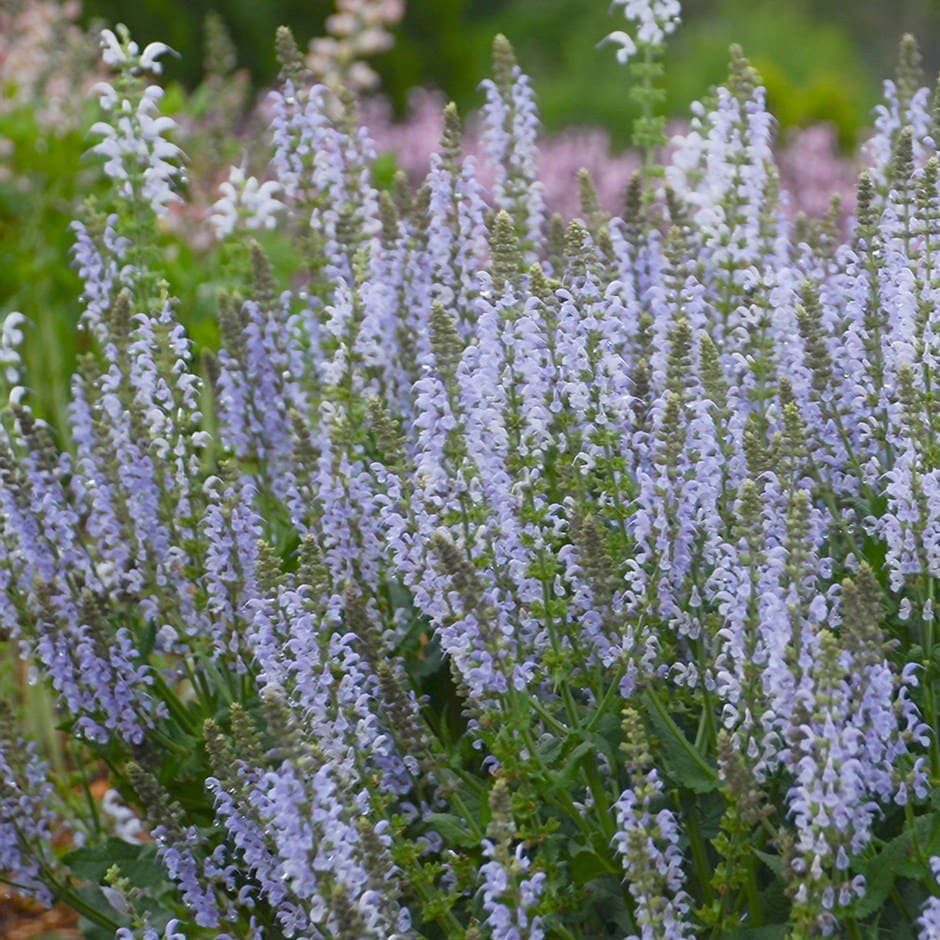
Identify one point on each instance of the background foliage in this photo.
(820, 59)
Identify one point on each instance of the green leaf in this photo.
(451, 829)
(588, 745)
(678, 757)
(97, 914)
(551, 750)
(609, 728)
(90, 931)
(771, 861)
(138, 863)
(147, 639)
(767, 932)
(564, 776)
(586, 865)
(898, 858)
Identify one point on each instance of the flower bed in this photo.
(496, 577)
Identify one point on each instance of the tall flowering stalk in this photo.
(640, 49)
(648, 843)
(138, 156)
(509, 137)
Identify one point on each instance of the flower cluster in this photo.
(357, 30)
(46, 63)
(812, 170)
(28, 818)
(490, 576)
(929, 921)
(653, 20)
(245, 203)
(648, 843)
(139, 156)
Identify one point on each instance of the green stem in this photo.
(930, 702)
(648, 154)
(645, 96)
(564, 801)
(697, 846)
(707, 726)
(558, 930)
(470, 781)
(173, 704)
(654, 700)
(557, 726)
(468, 818)
(612, 690)
(753, 896)
(915, 841)
(898, 899)
(65, 893)
(181, 749)
(602, 799)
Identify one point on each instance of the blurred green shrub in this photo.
(182, 26)
(817, 62)
(35, 197)
(812, 69)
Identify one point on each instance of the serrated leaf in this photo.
(771, 861)
(767, 932)
(589, 744)
(898, 858)
(550, 751)
(610, 729)
(586, 865)
(564, 776)
(451, 829)
(678, 757)
(138, 863)
(92, 931)
(94, 898)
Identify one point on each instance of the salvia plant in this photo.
(494, 577)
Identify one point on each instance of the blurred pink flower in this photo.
(812, 170)
(811, 167)
(47, 62)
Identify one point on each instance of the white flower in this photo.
(245, 201)
(107, 96)
(137, 153)
(655, 20)
(11, 336)
(126, 825)
(626, 43)
(113, 53)
(148, 59)
(127, 54)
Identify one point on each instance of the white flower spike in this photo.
(120, 52)
(654, 21)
